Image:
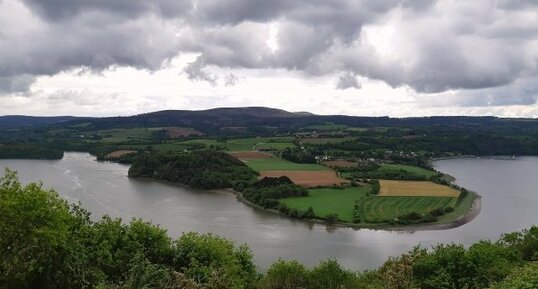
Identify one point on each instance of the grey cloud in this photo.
(195, 71)
(521, 92)
(19, 83)
(64, 9)
(93, 40)
(436, 46)
(348, 80)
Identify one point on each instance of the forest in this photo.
(47, 243)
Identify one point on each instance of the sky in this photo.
(356, 57)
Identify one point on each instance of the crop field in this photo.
(340, 164)
(326, 201)
(119, 154)
(412, 169)
(176, 132)
(308, 178)
(379, 209)
(246, 144)
(278, 164)
(244, 155)
(415, 189)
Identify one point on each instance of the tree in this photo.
(285, 275)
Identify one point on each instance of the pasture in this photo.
(325, 140)
(125, 134)
(377, 209)
(326, 201)
(177, 132)
(245, 144)
(411, 169)
(278, 164)
(308, 178)
(415, 189)
(245, 155)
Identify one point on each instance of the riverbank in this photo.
(470, 213)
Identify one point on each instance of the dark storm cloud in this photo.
(19, 83)
(56, 10)
(433, 46)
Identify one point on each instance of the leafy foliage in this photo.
(204, 170)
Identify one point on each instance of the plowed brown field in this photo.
(308, 178)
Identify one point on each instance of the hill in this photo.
(17, 121)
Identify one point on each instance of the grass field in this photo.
(246, 144)
(125, 134)
(326, 201)
(328, 127)
(245, 155)
(412, 169)
(415, 189)
(379, 209)
(325, 140)
(177, 132)
(278, 164)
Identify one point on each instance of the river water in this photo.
(509, 190)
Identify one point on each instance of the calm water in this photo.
(509, 190)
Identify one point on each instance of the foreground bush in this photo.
(45, 243)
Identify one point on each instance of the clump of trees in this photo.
(204, 169)
(297, 155)
(47, 243)
(30, 151)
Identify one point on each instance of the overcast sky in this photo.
(371, 58)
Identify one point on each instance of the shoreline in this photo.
(470, 215)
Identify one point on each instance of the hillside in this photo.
(212, 121)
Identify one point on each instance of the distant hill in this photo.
(214, 121)
(17, 121)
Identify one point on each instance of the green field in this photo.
(246, 144)
(327, 127)
(380, 209)
(125, 134)
(326, 140)
(326, 201)
(164, 147)
(278, 164)
(412, 169)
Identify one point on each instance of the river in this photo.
(509, 190)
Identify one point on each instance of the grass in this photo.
(325, 140)
(411, 169)
(245, 144)
(463, 207)
(125, 134)
(327, 127)
(278, 164)
(165, 147)
(415, 189)
(326, 201)
(376, 209)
